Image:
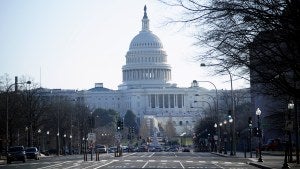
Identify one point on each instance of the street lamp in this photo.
(217, 104)
(258, 113)
(39, 141)
(47, 140)
(70, 149)
(58, 146)
(198, 101)
(7, 111)
(230, 120)
(220, 142)
(232, 102)
(225, 137)
(64, 148)
(26, 130)
(290, 128)
(218, 145)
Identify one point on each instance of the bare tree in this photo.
(259, 36)
(169, 129)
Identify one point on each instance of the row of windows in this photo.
(151, 52)
(146, 59)
(147, 45)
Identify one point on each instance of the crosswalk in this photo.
(105, 163)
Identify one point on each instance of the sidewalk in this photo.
(271, 160)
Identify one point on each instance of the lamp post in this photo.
(7, 109)
(258, 113)
(217, 104)
(26, 131)
(70, 149)
(230, 120)
(47, 140)
(58, 146)
(225, 137)
(220, 133)
(232, 103)
(250, 135)
(218, 145)
(39, 141)
(289, 126)
(64, 148)
(198, 101)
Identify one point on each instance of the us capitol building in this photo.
(146, 89)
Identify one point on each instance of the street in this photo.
(136, 160)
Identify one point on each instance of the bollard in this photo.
(245, 151)
(84, 157)
(97, 156)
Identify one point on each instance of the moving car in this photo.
(16, 153)
(32, 153)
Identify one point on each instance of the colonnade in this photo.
(144, 74)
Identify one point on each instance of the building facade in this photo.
(146, 88)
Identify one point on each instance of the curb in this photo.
(259, 165)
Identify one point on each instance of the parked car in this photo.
(173, 149)
(112, 149)
(16, 153)
(272, 145)
(32, 153)
(185, 149)
(100, 149)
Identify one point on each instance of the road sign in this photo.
(91, 138)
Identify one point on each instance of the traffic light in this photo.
(250, 121)
(256, 132)
(119, 125)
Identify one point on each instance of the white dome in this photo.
(146, 61)
(145, 39)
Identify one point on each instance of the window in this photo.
(172, 100)
(179, 100)
(160, 101)
(180, 123)
(152, 100)
(166, 100)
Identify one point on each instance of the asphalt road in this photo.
(136, 160)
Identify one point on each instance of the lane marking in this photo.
(105, 164)
(139, 160)
(151, 155)
(189, 161)
(145, 164)
(219, 166)
(75, 165)
(181, 165)
(54, 165)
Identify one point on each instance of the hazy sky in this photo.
(72, 44)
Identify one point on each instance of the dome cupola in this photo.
(146, 61)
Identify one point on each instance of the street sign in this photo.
(216, 137)
(91, 138)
